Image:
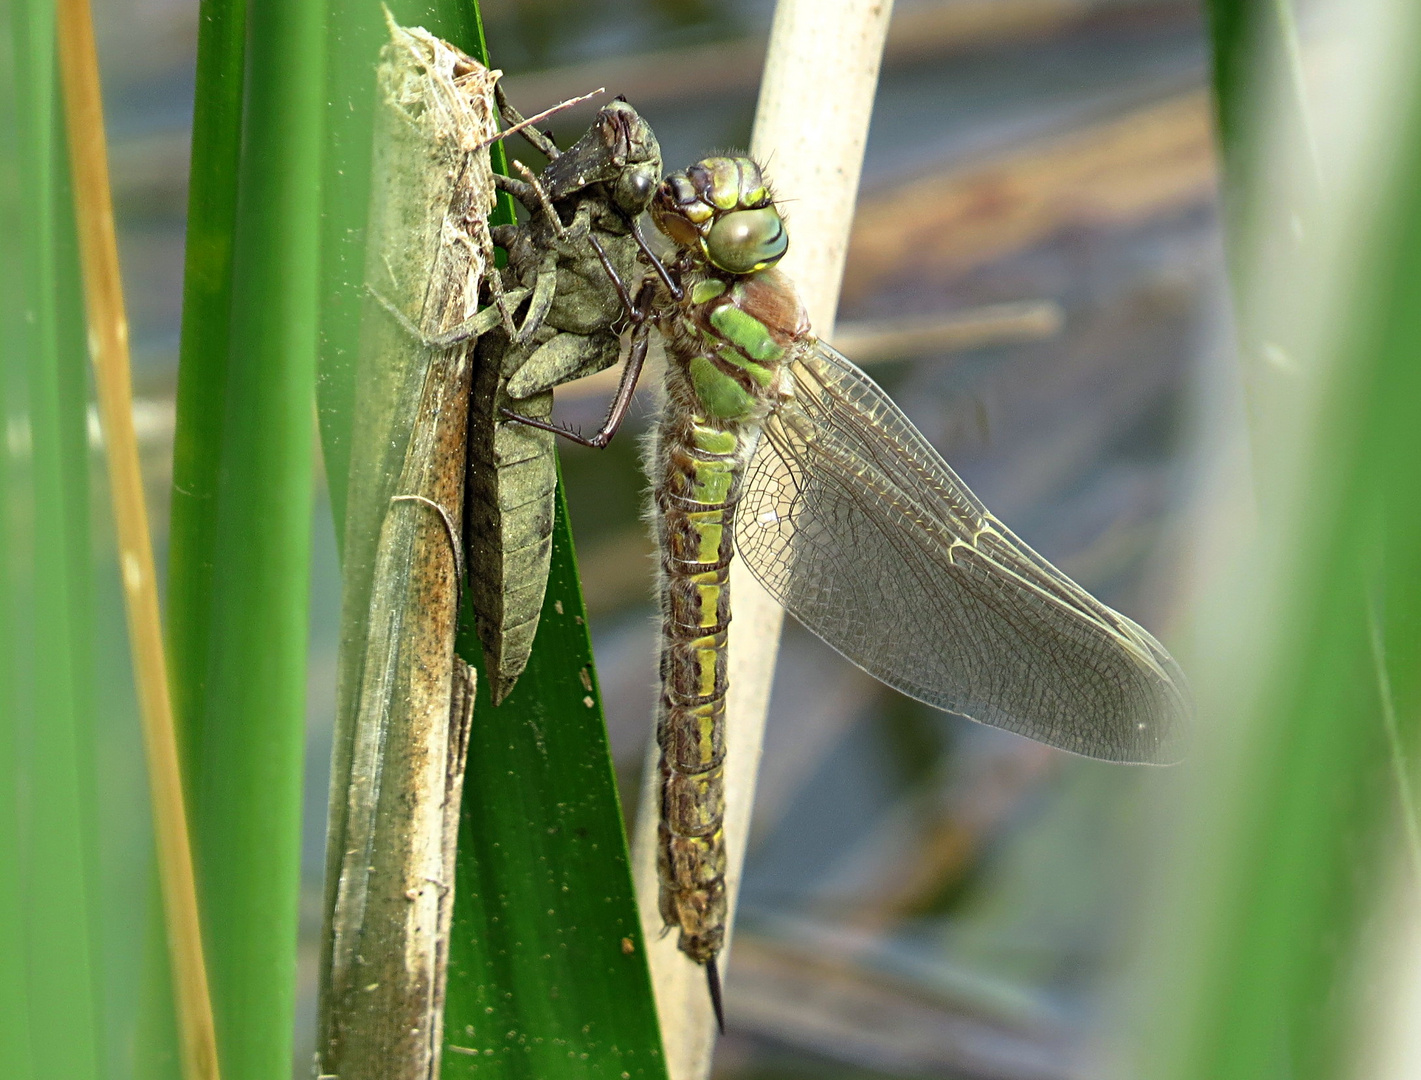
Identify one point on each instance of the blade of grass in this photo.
(47, 813)
(541, 829)
(1396, 748)
(14, 999)
(1290, 820)
(244, 426)
(204, 359)
(15, 210)
(821, 73)
(1256, 114)
(203, 368)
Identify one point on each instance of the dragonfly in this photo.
(773, 445)
(549, 316)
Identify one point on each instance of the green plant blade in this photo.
(546, 941)
(203, 370)
(547, 967)
(1293, 836)
(204, 356)
(242, 556)
(50, 971)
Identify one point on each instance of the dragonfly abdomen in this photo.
(698, 469)
(508, 527)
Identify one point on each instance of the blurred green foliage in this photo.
(1290, 839)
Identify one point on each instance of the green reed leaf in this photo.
(1290, 839)
(242, 509)
(50, 972)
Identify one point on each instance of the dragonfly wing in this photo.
(855, 523)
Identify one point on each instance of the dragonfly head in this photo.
(619, 150)
(723, 207)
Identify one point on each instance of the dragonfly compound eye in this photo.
(723, 206)
(746, 241)
(635, 186)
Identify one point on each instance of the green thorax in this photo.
(738, 318)
(731, 337)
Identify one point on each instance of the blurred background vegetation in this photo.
(925, 897)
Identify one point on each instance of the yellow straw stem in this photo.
(108, 346)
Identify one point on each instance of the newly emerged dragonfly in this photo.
(851, 519)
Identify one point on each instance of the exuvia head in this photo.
(723, 207)
(619, 150)
(631, 142)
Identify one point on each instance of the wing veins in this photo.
(860, 523)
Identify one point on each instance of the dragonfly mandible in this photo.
(773, 444)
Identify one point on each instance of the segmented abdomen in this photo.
(698, 471)
(508, 518)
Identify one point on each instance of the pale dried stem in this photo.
(108, 346)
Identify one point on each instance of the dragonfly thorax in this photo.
(730, 337)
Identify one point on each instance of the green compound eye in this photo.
(745, 241)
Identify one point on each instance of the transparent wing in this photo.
(853, 521)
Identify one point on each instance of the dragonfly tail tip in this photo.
(713, 982)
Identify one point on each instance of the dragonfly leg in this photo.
(540, 193)
(500, 301)
(512, 117)
(621, 404)
(398, 315)
(520, 190)
(480, 323)
(637, 310)
(672, 286)
(617, 283)
(544, 288)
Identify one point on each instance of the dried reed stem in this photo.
(108, 346)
